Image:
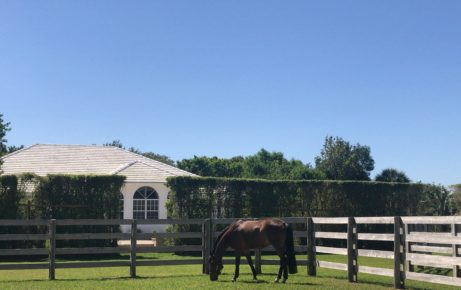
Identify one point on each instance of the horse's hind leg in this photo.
(285, 269)
(281, 269)
(250, 262)
(237, 267)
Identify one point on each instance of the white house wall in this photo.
(128, 190)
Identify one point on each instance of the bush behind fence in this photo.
(193, 197)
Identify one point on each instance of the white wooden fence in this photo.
(414, 244)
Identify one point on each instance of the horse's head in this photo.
(215, 267)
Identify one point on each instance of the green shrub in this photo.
(195, 197)
(9, 197)
(79, 197)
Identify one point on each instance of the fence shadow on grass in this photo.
(126, 278)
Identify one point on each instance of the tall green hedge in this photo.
(60, 197)
(193, 197)
(9, 197)
(78, 196)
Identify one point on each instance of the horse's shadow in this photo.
(249, 282)
(271, 276)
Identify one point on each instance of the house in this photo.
(144, 193)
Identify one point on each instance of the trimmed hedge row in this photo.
(195, 197)
(9, 197)
(60, 197)
(78, 196)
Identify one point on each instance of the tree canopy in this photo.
(151, 155)
(339, 160)
(262, 165)
(213, 166)
(437, 200)
(456, 189)
(4, 128)
(392, 175)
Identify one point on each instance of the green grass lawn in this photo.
(190, 277)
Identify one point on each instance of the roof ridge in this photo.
(128, 165)
(80, 145)
(17, 151)
(150, 165)
(165, 164)
(85, 158)
(123, 167)
(150, 160)
(142, 157)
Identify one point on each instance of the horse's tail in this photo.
(290, 250)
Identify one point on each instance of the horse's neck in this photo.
(222, 245)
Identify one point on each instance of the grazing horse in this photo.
(244, 235)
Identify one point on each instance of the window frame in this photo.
(145, 203)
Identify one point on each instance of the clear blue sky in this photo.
(226, 78)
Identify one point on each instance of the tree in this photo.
(274, 165)
(456, 189)
(159, 157)
(151, 155)
(392, 175)
(115, 143)
(339, 160)
(267, 165)
(301, 171)
(436, 201)
(13, 148)
(4, 128)
(263, 164)
(213, 166)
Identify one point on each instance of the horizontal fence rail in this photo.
(416, 241)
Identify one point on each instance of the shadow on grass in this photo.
(102, 279)
(226, 278)
(244, 281)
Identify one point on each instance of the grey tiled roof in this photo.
(43, 159)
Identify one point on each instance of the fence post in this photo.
(211, 236)
(258, 261)
(208, 242)
(205, 247)
(456, 268)
(352, 250)
(52, 249)
(134, 230)
(204, 260)
(311, 258)
(399, 254)
(408, 266)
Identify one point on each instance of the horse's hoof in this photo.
(284, 280)
(276, 280)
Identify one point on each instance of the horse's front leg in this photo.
(237, 267)
(250, 262)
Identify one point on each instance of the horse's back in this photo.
(261, 233)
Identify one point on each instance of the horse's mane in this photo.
(223, 232)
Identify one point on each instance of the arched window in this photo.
(145, 203)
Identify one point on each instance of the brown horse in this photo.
(244, 235)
